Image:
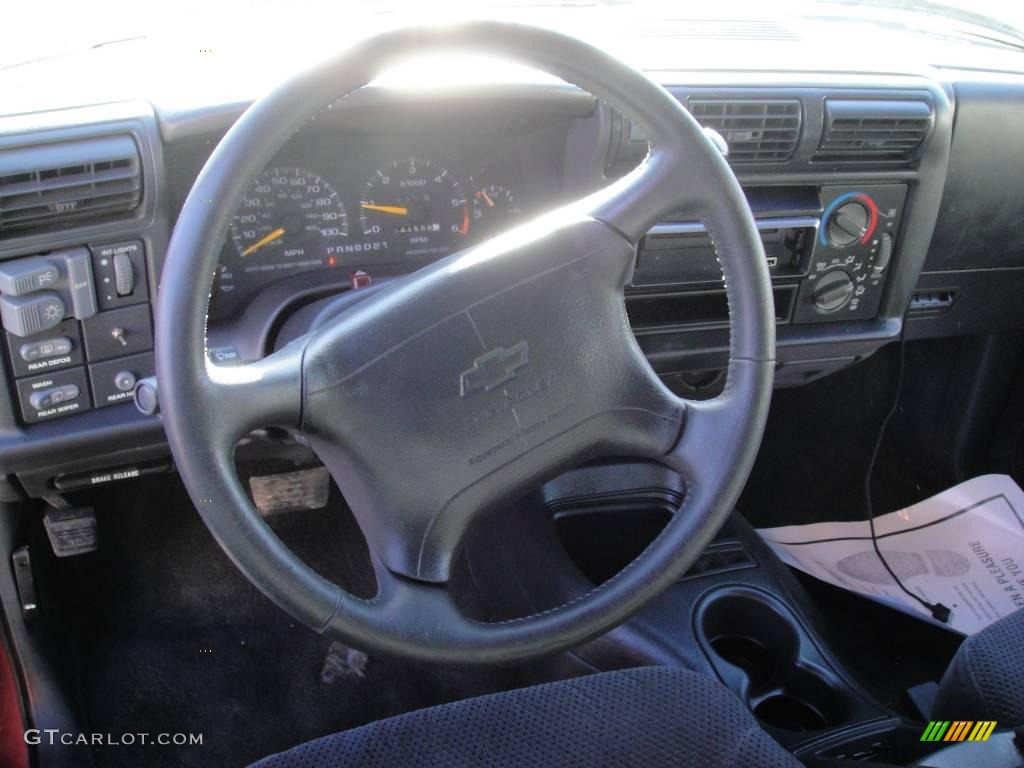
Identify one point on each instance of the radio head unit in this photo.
(683, 254)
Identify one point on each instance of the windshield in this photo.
(60, 27)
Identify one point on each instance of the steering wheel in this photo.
(475, 378)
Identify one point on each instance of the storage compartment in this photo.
(694, 308)
(761, 652)
(605, 538)
(606, 515)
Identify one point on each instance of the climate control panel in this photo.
(852, 253)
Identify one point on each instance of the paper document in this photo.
(963, 548)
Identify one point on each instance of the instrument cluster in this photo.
(347, 216)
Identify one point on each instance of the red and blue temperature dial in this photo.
(850, 218)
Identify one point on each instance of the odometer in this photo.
(418, 204)
(290, 215)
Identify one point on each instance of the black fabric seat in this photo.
(650, 718)
(985, 680)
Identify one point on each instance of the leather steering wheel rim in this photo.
(547, 296)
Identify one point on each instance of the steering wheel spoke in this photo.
(264, 393)
(415, 607)
(713, 430)
(657, 187)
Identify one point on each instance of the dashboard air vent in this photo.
(757, 131)
(873, 131)
(66, 182)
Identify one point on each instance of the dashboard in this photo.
(883, 209)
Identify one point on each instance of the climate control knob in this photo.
(832, 291)
(848, 224)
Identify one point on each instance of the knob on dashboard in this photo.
(832, 291)
(848, 224)
(884, 255)
(849, 219)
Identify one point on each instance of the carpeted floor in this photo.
(819, 439)
(170, 638)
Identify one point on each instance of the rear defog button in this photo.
(36, 350)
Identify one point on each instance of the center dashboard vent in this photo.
(880, 131)
(756, 130)
(66, 182)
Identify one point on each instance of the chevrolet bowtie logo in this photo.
(494, 368)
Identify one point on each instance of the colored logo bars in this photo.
(958, 730)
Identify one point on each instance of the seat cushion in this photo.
(654, 717)
(985, 680)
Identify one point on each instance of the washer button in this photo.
(48, 398)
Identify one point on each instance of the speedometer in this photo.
(290, 215)
(418, 203)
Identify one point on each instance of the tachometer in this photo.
(290, 215)
(418, 202)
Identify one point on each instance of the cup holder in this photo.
(784, 711)
(804, 701)
(746, 653)
(760, 651)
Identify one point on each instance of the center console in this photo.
(844, 178)
(739, 615)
